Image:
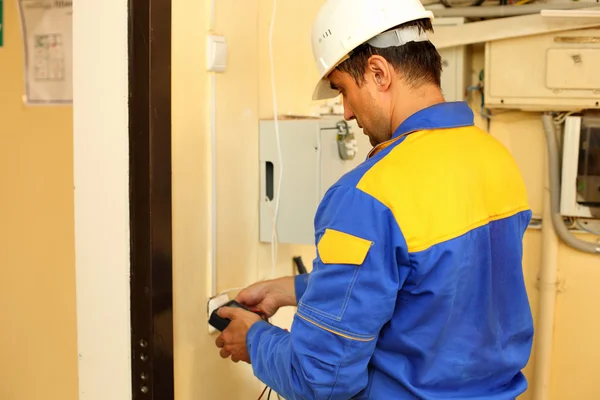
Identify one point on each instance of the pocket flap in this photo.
(337, 247)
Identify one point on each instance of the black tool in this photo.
(222, 323)
(300, 265)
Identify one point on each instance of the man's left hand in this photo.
(232, 341)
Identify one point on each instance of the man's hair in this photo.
(419, 62)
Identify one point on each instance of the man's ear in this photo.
(380, 71)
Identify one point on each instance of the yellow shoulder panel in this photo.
(440, 184)
(336, 247)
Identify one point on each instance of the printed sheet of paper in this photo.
(48, 43)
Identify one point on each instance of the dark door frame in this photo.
(149, 24)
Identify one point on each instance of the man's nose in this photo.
(348, 113)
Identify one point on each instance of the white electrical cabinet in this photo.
(556, 71)
(455, 70)
(315, 153)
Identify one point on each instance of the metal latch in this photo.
(346, 141)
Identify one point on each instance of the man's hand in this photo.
(232, 341)
(269, 296)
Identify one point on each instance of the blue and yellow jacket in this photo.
(417, 291)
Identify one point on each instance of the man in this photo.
(417, 291)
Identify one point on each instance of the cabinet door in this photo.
(453, 73)
(298, 197)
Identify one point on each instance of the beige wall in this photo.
(37, 273)
(243, 96)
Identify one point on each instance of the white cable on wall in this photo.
(276, 120)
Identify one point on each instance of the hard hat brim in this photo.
(323, 91)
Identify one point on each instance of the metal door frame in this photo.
(149, 25)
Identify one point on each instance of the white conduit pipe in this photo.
(547, 285)
(212, 87)
(506, 11)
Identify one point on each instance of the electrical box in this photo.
(455, 65)
(216, 53)
(315, 153)
(580, 183)
(550, 72)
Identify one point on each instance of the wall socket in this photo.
(213, 304)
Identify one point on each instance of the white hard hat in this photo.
(343, 25)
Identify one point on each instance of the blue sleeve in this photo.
(350, 295)
(300, 284)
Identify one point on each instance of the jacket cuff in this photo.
(254, 335)
(256, 330)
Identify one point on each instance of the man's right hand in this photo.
(269, 296)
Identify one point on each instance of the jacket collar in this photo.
(439, 116)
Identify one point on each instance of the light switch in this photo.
(216, 53)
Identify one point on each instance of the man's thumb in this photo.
(247, 298)
(227, 312)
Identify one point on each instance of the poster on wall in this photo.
(47, 41)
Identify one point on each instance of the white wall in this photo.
(101, 160)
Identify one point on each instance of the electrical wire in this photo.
(275, 116)
(269, 394)
(561, 117)
(450, 4)
(585, 229)
(263, 392)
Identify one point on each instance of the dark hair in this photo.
(419, 62)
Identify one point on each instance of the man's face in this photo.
(364, 104)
